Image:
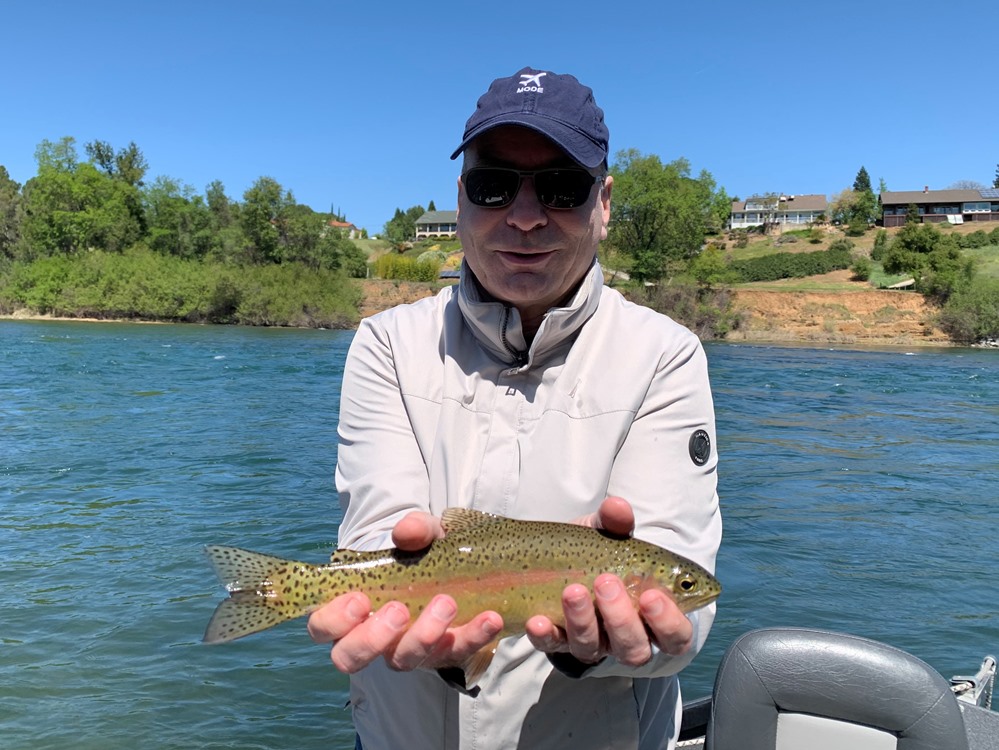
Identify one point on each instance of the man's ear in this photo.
(605, 205)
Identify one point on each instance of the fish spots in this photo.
(518, 568)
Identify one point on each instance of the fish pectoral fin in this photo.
(464, 678)
(477, 664)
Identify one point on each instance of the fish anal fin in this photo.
(462, 519)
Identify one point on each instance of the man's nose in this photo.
(526, 212)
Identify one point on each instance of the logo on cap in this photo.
(531, 82)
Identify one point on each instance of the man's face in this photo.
(525, 254)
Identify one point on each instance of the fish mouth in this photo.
(690, 602)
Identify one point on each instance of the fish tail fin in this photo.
(255, 602)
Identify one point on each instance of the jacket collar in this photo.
(497, 325)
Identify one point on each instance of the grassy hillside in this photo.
(798, 241)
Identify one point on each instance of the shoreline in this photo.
(747, 336)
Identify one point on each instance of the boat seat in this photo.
(805, 689)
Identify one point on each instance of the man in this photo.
(533, 391)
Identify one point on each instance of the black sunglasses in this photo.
(560, 187)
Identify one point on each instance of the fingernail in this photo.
(443, 609)
(490, 628)
(356, 609)
(395, 615)
(608, 589)
(654, 608)
(577, 603)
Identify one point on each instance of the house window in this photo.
(946, 210)
(972, 208)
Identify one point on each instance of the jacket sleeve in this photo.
(662, 470)
(380, 473)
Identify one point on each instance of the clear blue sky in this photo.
(357, 105)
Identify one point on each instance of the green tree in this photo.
(659, 214)
(995, 182)
(310, 240)
(11, 214)
(971, 314)
(262, 217)
(57, 157)
(127, 164)
(719, 211)
(71, 206)
(402, 226)
(178, 221)
(862, 182)
(431, 207)
(219, 204)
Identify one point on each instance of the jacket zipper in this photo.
(519, 356)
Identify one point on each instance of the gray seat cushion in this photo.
(815, 673)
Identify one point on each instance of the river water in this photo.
(859, 492)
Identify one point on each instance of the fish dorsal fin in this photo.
(463, 519)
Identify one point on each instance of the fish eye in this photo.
(687, 583)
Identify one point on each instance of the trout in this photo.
(484, 561)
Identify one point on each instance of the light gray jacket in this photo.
(438, 410)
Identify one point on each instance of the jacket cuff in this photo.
(454, 677)
(569, 665)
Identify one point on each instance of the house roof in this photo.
(438, 217)
(790, 203)
(904, 198)
(341, 224)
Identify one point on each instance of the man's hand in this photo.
(620, 631)
(360, 636)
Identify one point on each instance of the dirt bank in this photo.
(857, 315)
(867, 317)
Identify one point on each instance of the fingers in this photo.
(333, 621)
(668, 626)
(609, 624)
(416, 530)
(372, 638)
(582, 628)
(614, 516)
(627, 639)
(428, 642)
(431, 643)
(545, 635)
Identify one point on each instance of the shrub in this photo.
(861, 269)
(402, 268)
(880, 245)
(978, 238)
(972, 314)
(144, 285)
(857, 226)
(707, 312)
(796, 265)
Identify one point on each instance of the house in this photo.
(787, 211)
(935, 206)
(346, 227)
(437, 224)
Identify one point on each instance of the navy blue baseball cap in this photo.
(557, 106)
